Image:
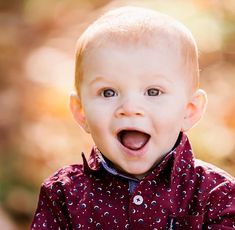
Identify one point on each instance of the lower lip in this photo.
(135, 153)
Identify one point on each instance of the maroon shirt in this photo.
(180, 193)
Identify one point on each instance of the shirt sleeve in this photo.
(48, 215)
(221, 208)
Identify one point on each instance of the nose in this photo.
(130, 107)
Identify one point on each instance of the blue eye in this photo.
(153, 92)
(108, 93)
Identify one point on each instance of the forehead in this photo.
(133, 42)
(156, 51)
(117, 62)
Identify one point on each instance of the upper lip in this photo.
(131, 129)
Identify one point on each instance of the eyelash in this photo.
(152, 92)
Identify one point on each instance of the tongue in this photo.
(134, 140)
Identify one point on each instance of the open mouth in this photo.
(133, 139)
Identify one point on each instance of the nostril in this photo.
(139, 114)
(129, 111)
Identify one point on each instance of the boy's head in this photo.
(137, 86)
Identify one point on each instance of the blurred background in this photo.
(37, 132)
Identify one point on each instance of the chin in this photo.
(138, 173)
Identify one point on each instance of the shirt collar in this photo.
(109, 167)
(93, 164)
(98, 162)
(174, 156)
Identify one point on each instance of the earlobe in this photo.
(77, 111)
(195, 109)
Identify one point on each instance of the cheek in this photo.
(96, 119)
(169, 118)
(99, 111)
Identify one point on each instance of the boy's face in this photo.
(133, 102)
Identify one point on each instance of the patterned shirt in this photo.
(180, 193)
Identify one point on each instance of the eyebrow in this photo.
(160, 76)
(154, 76)
(98, 79)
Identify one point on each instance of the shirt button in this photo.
(138, 200)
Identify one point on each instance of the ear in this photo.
(77, 111)
(195, 109)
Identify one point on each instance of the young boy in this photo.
(137, 95)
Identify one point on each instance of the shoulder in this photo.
(74, 177)
(212, 171)
(215, 191)
(66, 178)
(213, 177)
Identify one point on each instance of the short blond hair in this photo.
(135, 25)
